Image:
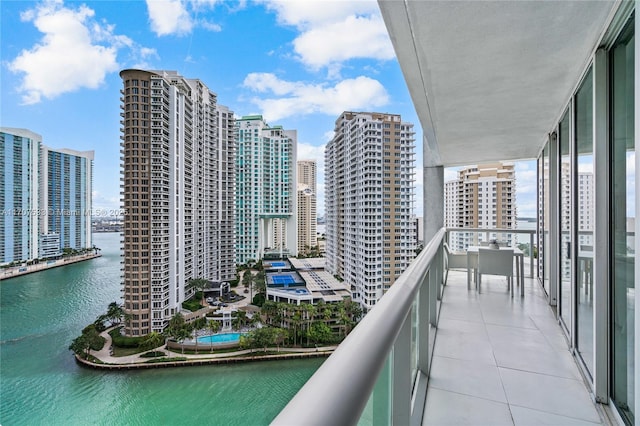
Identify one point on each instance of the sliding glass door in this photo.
(623, 216)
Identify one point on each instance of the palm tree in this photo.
(198, 285)
(213, 326)
(152, 341)
(198, 324)
(115, 313)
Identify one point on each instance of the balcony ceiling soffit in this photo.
(490, 78)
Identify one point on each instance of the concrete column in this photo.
(433, 200)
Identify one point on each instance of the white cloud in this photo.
(332, 32)
(49, 68)
(179, 17)
(298, 98)
(305, 13)
(169, 17)
(312, 152)
(351, 38)
(451, 173)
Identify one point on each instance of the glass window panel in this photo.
(585, 220)
(565, 220)
(623, 216)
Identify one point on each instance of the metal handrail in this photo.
(339, 390)
(532, 233)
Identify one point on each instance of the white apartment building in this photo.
(483, 196)
(307, 210)
(46, 197)
(369, 191)
(66, 181)
(177, 184)
(266, 191)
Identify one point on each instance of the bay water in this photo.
(41, 384)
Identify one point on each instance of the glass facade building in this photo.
(66, 182)
(266, 190)
(19, 167)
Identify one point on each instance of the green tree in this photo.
(177, 329)
(263, 337)
(88, 340)
(320, 333)
(240, 320)
(152, 341)
(260, 283)
(80, 346)
(198, 285)
(115, 313)
(279, 336)
(197, 325)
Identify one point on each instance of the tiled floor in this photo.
(500, 360)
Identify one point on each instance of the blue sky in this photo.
(298, 63)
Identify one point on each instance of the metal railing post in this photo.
(531, 255)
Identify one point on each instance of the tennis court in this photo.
(283, 279)
(278, 264)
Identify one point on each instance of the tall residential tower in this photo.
(266, 190)
(369, 175)
(307, 210)
(176, 144)
(19, 167)
(46, 198)
(483, 196)
(66, 181)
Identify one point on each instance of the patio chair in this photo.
(453, 260)
(495, 262)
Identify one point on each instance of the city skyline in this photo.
(299, 73)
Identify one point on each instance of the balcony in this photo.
(441, 353)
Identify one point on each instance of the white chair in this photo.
(495, 262)
(453, 260)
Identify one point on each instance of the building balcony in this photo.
(440, 352)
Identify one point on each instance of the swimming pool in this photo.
(220, 338)
(278, 264)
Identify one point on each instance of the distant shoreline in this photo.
(18, 271)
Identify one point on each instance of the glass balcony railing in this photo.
(382, 366)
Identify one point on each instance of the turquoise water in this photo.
(40, 383)
(220, 338)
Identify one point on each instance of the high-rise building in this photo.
(369, 191)
(175, 142)
(66, 178)
(483, 196)
(46, 197)
(19, 166)
(307, 213)
(266, 210)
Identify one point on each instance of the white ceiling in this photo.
(489, 79)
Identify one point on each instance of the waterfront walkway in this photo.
(17, 271)
(106, 357)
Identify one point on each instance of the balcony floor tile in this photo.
(556, 395)
(527, 417)
(466, 377)
(492, 348)
(450, 408)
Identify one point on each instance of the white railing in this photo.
(386, 357)
(488, 233)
